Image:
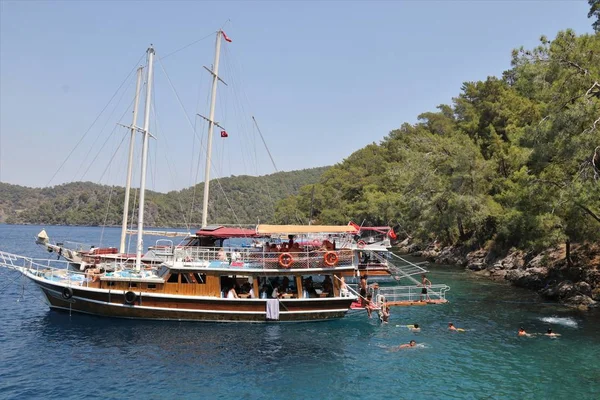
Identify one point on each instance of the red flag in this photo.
(226, 37)
(355, 225)
(224, 134)
(392, 234)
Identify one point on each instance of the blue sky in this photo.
(323, 79)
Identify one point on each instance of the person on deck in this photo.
(370, 305)
(425, 284)
(363, 290)
(385, 313)
(232, 294)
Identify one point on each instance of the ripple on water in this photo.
(56, 356)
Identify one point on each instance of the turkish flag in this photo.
(224, 134)
(226, 37)
(392, 234)
(355, 225)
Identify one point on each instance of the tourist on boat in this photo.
(344, 292)
(385, 313)
(248, 289)
(222, 256)
(328, 286)
(412, 343)
(232, 294)
(370, 305)
(295, 248)
(425, 283)
(363, 290)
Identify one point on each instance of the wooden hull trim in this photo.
(207, 308)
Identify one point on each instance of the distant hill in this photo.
(236, 199)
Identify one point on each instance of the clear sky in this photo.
(323, 79)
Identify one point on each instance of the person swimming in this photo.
(414, 328)
(522, 332)
(451, 327)
(410, 344)
(551, 334)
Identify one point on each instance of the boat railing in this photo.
(248, 257)
(405, 270)
(163, 247)
(412, 293)
(49, 269)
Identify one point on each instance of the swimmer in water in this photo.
(451, 327)
(549, 333)
(414, 328)
(408, 345)
(522, 332)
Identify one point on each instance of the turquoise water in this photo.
(52, 355)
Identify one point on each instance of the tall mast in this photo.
(130, 160)
(211, 125)
(146, 133)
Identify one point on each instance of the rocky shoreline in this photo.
(575, 284)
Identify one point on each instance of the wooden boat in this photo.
(211, 281)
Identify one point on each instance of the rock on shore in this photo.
(575, 284)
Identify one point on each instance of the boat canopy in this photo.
(223, 232)
(299, 229)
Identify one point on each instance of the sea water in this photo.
(53, 355)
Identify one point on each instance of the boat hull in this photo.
(150, 306)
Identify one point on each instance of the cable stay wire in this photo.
(186, 46)
(95, 120)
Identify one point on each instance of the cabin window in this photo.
(174, 278)
(131, 285)
(186, 278)
(152, 286)
(110, 283)
(200, 278)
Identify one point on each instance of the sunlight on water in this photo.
(570, 322)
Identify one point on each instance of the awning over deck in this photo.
(300, 229)
(223, 232)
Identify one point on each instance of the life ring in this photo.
(361, 244)
(330, 258)
(130, 297)
(67, 293)
(286, 260)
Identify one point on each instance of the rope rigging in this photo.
(95, 120)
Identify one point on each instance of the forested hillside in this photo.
(233, 200)
(514, 161)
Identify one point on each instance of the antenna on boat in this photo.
(211, 123)
(130, 159)
(146, 135)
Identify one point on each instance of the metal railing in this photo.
(254, 258)
(48, 269)
(403, 271)
(411, 293)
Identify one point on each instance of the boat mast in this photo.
(146, 133)
(130, 160)
(211, 125)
